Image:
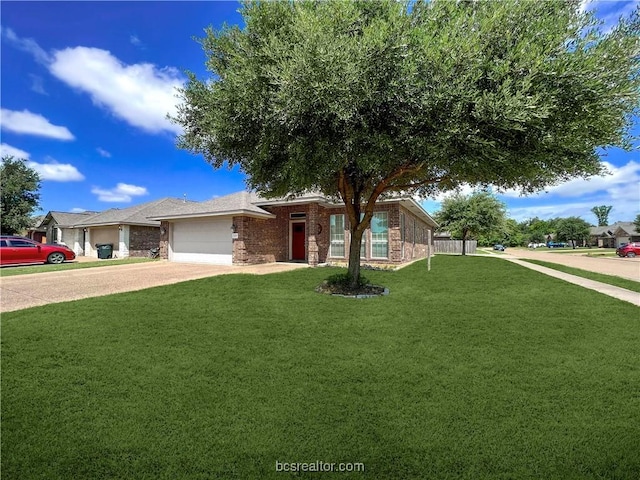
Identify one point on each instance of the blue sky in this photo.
(86, 87)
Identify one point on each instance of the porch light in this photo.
(234, 228)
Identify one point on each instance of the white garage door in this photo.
(202, 241)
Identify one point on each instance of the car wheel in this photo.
(631, 254)
(55, 257)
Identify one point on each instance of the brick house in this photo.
(244, 228)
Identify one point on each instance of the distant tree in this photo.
(470, 216)
(573, 229)
(602, 214)
(636, 222)
(361, 100)
(19, 194)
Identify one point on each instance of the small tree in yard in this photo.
(470, 216)
(19, 187)
(636, 222)
(602, 214)
(362, 100)
(572, 229)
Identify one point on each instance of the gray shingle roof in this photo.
(136, 215)
(628, 227)
(66, 219)
(235, 203)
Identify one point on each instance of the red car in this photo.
(629, 250)
(14, 250)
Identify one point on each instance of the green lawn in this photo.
(479, 369)
(598, 277)
(23, 270)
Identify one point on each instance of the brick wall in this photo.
(142, 239)
(164, 240)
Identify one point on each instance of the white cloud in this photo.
(123, 192)
(103, 152)
(28, 45)
(136, 41)
(37, 85)
(78, 210)
(8, 150)
(140, 94)
(28, 123)
(56, 172)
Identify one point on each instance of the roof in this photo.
(250, 203)
(610, 230)
(136, 215)
(65, 219)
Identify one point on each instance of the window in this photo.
(380, 235)
(336, 248)
(3, 243)
(21, 243)
(363, 245)
(297, 215)
(402, 236)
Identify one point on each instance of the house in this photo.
(129, 230)
(611, 236)
(244, 228)
(59, 227)
(35, 231)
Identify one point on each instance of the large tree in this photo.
(361, 100)
(573, 229)
(602, 214)
(19, 196)
(636, 222)
(480, 213)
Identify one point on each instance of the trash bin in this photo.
(105, 250)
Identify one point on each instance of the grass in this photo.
(598, 277)
(460, 373)
(23, 270)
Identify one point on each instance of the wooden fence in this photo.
(454, 246)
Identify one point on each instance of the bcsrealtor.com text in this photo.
(318, 466)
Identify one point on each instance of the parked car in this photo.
(556, 244)
(628, 250)
(499, 247)
(15, 250)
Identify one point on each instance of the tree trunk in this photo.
(354, 254)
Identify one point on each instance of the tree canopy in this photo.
(602, 214)
(19, 195)
(470, 216)
(573, 229)
(364, 99)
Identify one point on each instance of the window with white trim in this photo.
(380, 235)
(336, 247)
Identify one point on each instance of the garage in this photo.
(202, 241)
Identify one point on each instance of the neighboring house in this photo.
(129, 230)
(59, 227)
(611, 236)
(35, 231)
(244, 228)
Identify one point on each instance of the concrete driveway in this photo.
(31, 290)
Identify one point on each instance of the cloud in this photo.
(78, 210)
(140, 94)
(37, 84)
(620, 177)
(56, 172)
(28, 123)
(123, 192)
(28, 45)
(136, 41)
(8, 150)
(103, 152)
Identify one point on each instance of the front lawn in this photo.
(479, 369)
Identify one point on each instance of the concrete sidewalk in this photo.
(611, 290)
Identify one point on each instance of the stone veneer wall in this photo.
(142, 239)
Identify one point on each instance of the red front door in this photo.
(298, 238)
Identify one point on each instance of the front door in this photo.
(298, 238)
